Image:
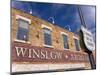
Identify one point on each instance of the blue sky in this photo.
(64, 15)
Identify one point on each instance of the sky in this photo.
(63, 15)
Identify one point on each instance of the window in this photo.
(47, 37)
(65, 41)
(23, 30)
(77, 44)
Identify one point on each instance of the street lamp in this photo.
(30, 11)
(68, 27)
(52, 19)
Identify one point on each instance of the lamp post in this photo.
(85, 37)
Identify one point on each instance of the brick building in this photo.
(38, 45)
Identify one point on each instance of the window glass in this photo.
(65, 41)
(22, 33)
(47, 36)
(77, 44)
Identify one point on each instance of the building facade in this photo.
(38, 45)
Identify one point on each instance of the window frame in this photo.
(18, 17)
(74, 37)
(49, 28)
(63, 33)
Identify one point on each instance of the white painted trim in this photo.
(47, 46)
(45, 26)
(66, 49)
(17, 67)
(75, 37)
(64, 33)
(24, 18)
(22, 41)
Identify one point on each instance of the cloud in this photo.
(57, 7)
(89, 15)
(36, 14)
